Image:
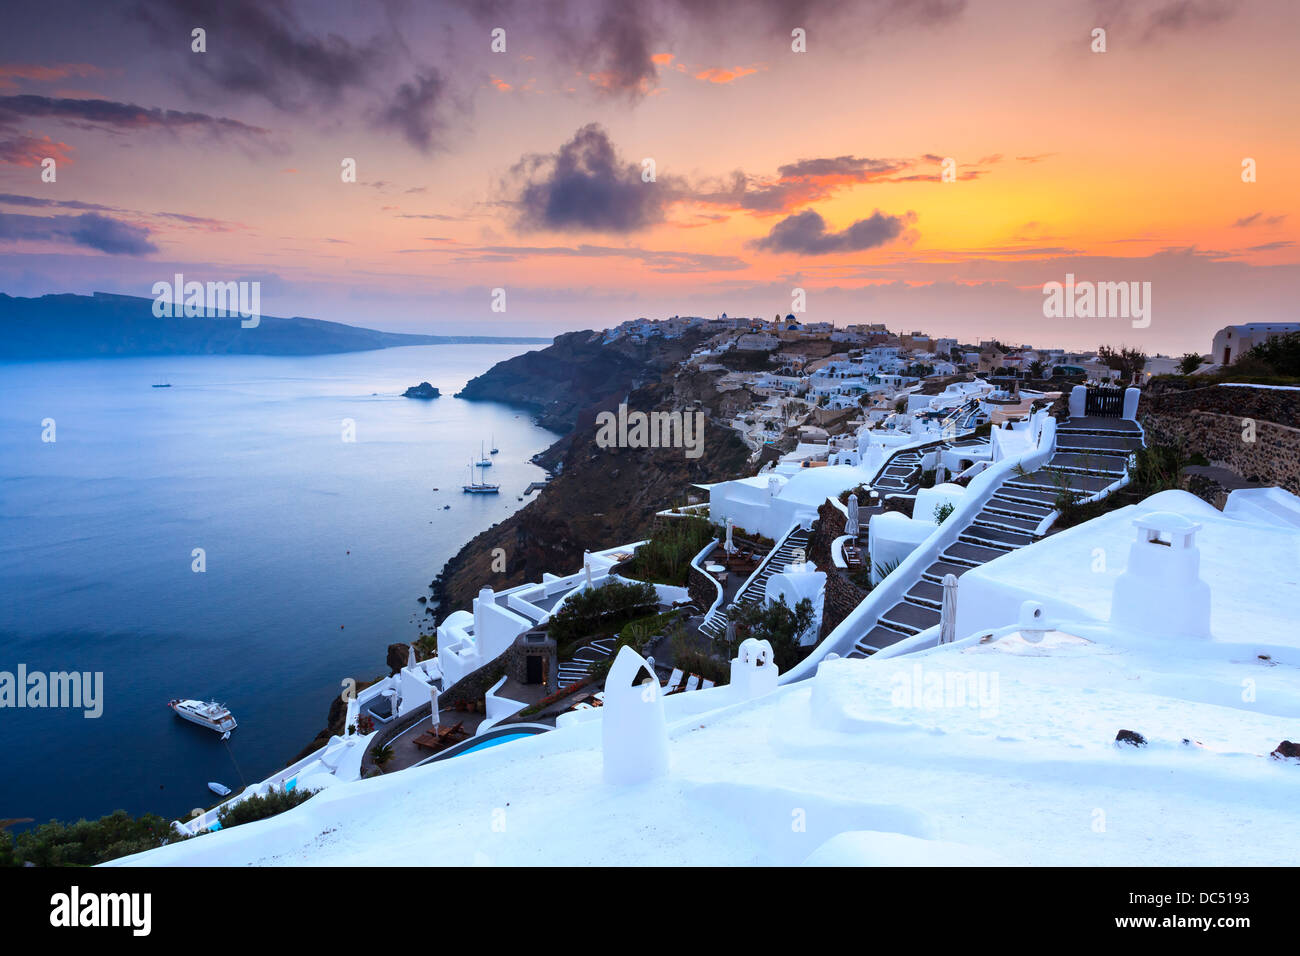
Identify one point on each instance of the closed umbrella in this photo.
(948, 612)
(851, 526)
(729, 547)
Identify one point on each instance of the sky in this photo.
(928, 164)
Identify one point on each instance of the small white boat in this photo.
(220, 789)
(212, 715)
(494, 448)
(483, 460)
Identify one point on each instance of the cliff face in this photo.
(600, 498)
(577, 370)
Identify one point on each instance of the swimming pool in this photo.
(503, 739)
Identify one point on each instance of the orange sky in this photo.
(1123, 165)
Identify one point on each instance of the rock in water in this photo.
(423, 390)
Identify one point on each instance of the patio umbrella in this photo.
(948, 612)
(410, 657)
(729, 547)
(940, 473)
(851, 526)
(731, 629)
(586, 566)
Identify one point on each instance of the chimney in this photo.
(1161, 594)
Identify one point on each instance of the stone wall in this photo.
(702, 589)
(842, 595)
(1215, 422)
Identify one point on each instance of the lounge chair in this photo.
(706, 684)
(693, 683)
(674, 681)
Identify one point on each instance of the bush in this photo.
(599, 610)
(778, 624)
(259, 807)
(90, 842)
(666, 557)
(941, 512)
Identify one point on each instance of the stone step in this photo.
(1089, 463)
(979, 534)
(1047, 480)
(975, 554)
(1023, 508)
(927, 593)
(936, 571)
(905, 616)
(1112, 443)
(877, 639)
(1029, 495)
(1006, 522)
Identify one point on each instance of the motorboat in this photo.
(211, 715)
(220, 789)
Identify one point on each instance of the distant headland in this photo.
(106, 326)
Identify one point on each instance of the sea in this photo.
(255, 533)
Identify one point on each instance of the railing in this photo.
(893, 588)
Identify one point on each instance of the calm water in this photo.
(316, 550)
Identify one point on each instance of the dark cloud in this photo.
(260, 48)
(1259, 219)
(806, 234)
(414, 109)
(112, 115)
(586, 186)
(89, 229)
(37, 202)
(1149, 19)
(1180, 15)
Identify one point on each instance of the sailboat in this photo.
(483, 460)
(494, 448)
(479, 487)
(163, 384)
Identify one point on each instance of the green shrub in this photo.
(778, 624)
(90, 842)
(599, 610)
(941, 512)
(666, 557)
(259, 807)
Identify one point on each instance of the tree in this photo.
(1189, 363)
(778, 624)
(1036, 369)
(1280, 354)
(1128, 362)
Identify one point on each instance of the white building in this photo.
(1234, 341)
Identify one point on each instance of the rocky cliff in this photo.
(577, 370)
(599, 498)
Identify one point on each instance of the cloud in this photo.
(39, 202)
(1181, 15)
(43, 74)
(113, 115)
(658, 260)
(259, 48)
(805, 233)
(21, 150)
(719, 74)
(90, 230)
(586, 186)
(1259, 219)
(414, 109)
